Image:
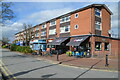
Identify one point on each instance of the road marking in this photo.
(7, 72)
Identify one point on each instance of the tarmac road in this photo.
(23, 66)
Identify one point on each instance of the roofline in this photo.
(81, 9)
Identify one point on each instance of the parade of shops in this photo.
(85, 30)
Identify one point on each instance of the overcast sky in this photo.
(37, 12)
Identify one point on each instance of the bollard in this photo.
(57, 56)
(106, 60)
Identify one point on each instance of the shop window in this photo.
(76, 26)
(98, 46)
(76, 15)
(50, 46)
(106, 46)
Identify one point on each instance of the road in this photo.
(23, 66)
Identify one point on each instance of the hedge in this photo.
(24, 49)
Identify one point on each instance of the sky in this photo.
(37, 12)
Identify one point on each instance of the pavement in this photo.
(95, 63)
(28, 66)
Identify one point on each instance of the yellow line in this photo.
(4, 67)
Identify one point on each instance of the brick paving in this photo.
(95, 63)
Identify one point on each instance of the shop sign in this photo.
(78, 40)
(58, 40)
(50, 40)
(42, 41)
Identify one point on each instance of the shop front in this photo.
(38, 44)
(60, 44)
(80, 46)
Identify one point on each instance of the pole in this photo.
(57, 56)
(106, 60)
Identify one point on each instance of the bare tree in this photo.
(5, 12)
(28, 33)
(5, 40)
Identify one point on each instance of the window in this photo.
(97, 12)
(36, 34)
(76, 15)
(98, 46)
(65, 19)
(43, 33)
(52, 23)
(43, 26)
(52, 31)
(65, 29)
(98, 25)
(106, 46)
(37, 28)
(76, 26)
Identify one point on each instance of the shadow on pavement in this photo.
(47, 76)
(25, 72)
(87, 70)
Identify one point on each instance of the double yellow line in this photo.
(7, 73)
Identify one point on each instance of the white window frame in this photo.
(77, 15)
(98, 23)
(44, 26)
(62, 29)
(36, 34)
(43, 34)
(97, 10)
(52, 24)
(37, 28)
(64, 19)
(52, 31)
(75, 26)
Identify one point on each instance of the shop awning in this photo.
(58, 41)
(77, 41)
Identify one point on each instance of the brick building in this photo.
(85, 29)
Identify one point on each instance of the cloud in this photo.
(45, 15)
(10, 30)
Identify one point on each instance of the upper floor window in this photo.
(52, 23)
(52, 31)
(36, 34)
(43, 26)
(65, 29)
(65, 19)
(76, 15)
(76, 26)
(97, 12)
(37, 28)
(98, 25)
(43, 33)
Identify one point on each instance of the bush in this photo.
(4, 46)
(24, 49)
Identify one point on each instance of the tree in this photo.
(5, 40)
(6, 13)
(28, 33)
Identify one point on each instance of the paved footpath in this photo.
(24, 66)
